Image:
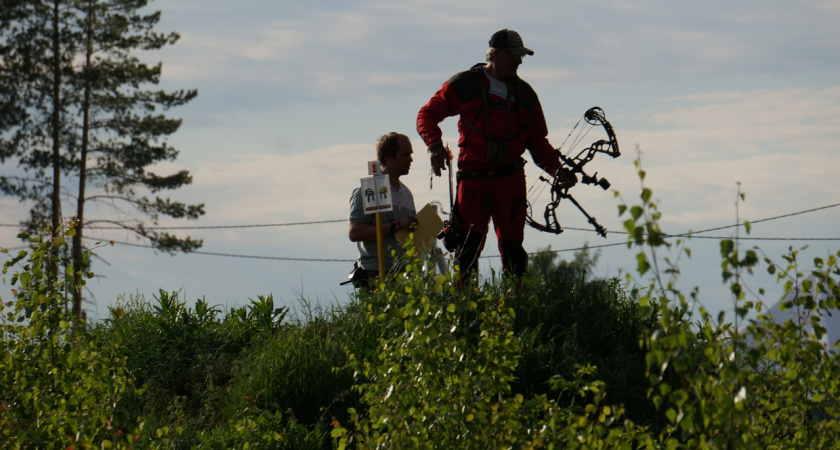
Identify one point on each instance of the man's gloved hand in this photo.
(565, 178)
(440, 157)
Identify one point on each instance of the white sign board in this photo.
(376, 194)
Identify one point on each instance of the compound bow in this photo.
(594, 117)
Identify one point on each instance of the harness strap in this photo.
(491, 173)
(485, 109)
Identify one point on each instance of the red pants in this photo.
(502, 199)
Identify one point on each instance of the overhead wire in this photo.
(207, 227)
(316, 222)
(231, 255)
(690, 234)
(696, 234)
(757, 221)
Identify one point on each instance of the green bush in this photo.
(443, 378)
(292, 372)
(773, 386)
(565, 321)
(563, 362)
(59, 386)
(297, 372)
(183, 357)
(261, 430)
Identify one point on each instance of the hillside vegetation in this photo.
(562, 361)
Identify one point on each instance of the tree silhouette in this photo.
(70, 68)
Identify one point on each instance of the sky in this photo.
(714, 98)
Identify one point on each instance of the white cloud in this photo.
(773, 142)
(274, 44)
(292, 95)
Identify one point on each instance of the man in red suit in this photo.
(500, 117)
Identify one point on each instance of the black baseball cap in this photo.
(511, 41)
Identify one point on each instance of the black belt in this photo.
(490, 173)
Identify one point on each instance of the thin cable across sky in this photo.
(693, 234)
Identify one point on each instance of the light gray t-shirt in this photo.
(403, 203)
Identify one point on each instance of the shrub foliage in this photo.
(558, 361)
(59, 386)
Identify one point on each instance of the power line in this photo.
(276, 258)
(758, 221)
(692, 234)
(231, 255)
(209, 227)
(750, 238)
(267, 225)
(316, 222)
(289, 258)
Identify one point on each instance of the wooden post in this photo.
(377, 184)
(379, 248)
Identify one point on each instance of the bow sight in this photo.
(594, 117)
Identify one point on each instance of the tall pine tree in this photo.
(112, 127)
(37, 45)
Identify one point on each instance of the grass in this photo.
(562, 359)
(202, 368)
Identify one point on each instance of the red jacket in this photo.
(463, 95)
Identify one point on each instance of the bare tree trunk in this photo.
(79, 264)
(54, 266)
(56, 119)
